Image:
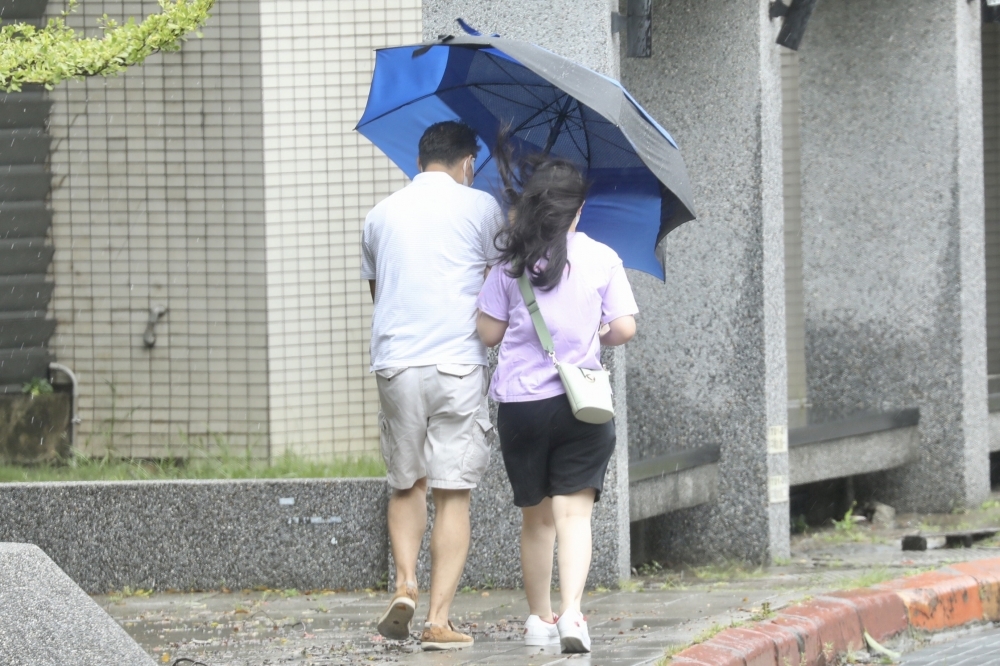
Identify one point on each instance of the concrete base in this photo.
(671, 492)
(46, 620)
(303, 534)
(851, 456)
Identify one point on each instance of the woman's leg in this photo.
(572, 521)
(538, 537)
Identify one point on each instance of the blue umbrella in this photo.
(639, 184)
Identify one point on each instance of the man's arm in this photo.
(371, 286)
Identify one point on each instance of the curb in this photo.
(814, 633)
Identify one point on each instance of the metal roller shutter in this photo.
(794, 306)
(991, 155)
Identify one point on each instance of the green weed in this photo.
(219, 466)
(630, 585)
(728, 571)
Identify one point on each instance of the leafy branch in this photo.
(55, 53)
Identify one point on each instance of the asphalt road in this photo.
(978, 649)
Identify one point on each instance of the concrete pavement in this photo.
(634, 625)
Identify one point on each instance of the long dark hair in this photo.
(542, 195)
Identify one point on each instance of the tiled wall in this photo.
(321, 180)
(158, 199)
(226, 183)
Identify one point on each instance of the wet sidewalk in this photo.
(633, 625)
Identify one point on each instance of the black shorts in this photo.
(547, 451)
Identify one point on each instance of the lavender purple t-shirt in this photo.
(594, 291)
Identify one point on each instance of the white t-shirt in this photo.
(427, 247)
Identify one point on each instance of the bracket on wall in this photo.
(618, 22)
(638, 26)
(990, 11)
(793, 25)
(155, 312)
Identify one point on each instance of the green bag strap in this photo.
(528, 294)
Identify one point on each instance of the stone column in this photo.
(582, 34)
(892, 156)
(708, 366)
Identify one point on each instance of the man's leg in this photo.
(403, 425)
(449, 548)
(407, 524)
(538, 537)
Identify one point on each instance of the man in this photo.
(426, 251)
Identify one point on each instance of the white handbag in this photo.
(588, 391)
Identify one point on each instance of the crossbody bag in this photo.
(588, 391)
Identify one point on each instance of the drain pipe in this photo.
(75, 420)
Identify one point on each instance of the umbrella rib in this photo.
(518, 129)
(586, 134)
(580, 148)
(441, 90)
(481, 86)
(532, 117)
(503, 69)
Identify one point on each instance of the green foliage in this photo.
(847, 524)
(55, 53)
(800, 525)
(651, 568)
(990, 505)
(37, 386)
(629, 585)
(764, 613)
(728, 571)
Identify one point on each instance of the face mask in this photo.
(472, 167)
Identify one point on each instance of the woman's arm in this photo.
(490, 330)
(618, 332)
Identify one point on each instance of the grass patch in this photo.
(631, 585)
(869, 578)
(703, 636)
(728, 571)
(287, 466)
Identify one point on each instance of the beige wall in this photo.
(321, 179)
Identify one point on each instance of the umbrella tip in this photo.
(470, 30)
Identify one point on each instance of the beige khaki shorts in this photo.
(433, 423)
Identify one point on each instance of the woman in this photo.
(556, 464)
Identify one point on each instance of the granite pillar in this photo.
(584, 35)
(893, 256)
(708, 365)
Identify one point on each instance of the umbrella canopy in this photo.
(639, 184)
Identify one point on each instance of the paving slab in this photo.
(656, 611)
(629, 626)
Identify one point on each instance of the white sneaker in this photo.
(538, 632)
(573, 634)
